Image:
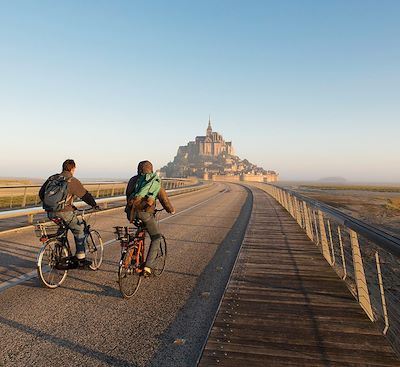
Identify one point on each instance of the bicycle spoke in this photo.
(128, 275)
(51, 252)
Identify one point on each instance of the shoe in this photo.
(83, 263)
(147, 272)
(80, 255)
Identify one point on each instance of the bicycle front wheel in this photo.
(128, 273)
(159, 262)
(94, 249)
(48, 258)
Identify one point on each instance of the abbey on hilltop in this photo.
(211, 157)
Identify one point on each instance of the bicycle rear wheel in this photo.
(49, 256)
(128, 275)
(159, 262)
(94, 249)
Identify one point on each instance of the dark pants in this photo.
(154, 232)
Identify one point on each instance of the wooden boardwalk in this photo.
(285, 306)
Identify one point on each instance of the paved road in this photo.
(86, 322)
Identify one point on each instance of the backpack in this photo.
(55, 193)
(147, 186)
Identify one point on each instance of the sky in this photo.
(308, 88)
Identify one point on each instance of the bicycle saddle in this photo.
(59, 221)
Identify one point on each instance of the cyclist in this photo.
(141, 194)
(74, 188)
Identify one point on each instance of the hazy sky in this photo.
(308, 88)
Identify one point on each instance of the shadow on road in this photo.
(68, 344)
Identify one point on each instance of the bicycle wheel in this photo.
(94, 249)
(128, 276)
(49, 255)
(159, 262)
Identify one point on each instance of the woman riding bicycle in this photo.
(141, 194)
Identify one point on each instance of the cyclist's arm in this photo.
(76, 188)
(164, 200)
(89, 199)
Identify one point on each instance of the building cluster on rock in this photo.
(211, 157)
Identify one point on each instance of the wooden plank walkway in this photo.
(285, 306)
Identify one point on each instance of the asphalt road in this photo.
(86, 322)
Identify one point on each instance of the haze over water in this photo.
(309, 89)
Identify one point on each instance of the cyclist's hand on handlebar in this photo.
(97, 207)
(173, 212)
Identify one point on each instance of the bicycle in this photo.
(55, 257)
(130, 270)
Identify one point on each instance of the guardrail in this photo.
(22, 196)
(365, 257)
(32, 211)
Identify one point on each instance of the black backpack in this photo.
(55, 193)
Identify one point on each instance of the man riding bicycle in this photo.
(141, 194)
(66, 186)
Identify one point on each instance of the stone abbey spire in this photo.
(209, 128)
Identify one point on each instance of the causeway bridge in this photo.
(256, 275)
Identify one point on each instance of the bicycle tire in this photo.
(128, 276)
(48, 256)
(159, 262)
(94, 249)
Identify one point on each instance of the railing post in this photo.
(285, 196)
(112, 189)
(315, 226)
(294, 214)
(23, 205)
(297, 211)
(98, 191)
(382, 289)
(290, 204)
(331, 241)
(301, 214)
(342, 253)
(307, 221)
(359, 274)
(324, 240)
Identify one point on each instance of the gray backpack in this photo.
(55, 193)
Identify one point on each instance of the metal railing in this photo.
(23, 196)
(172, 186)
(365, 257)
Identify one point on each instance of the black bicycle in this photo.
(55, 257)
(130, 270)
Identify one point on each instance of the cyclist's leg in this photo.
(154, 232)
(77, 228)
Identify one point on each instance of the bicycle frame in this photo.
(136, 247)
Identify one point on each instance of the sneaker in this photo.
(147, 272)
(83, 263)
(80, 255)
